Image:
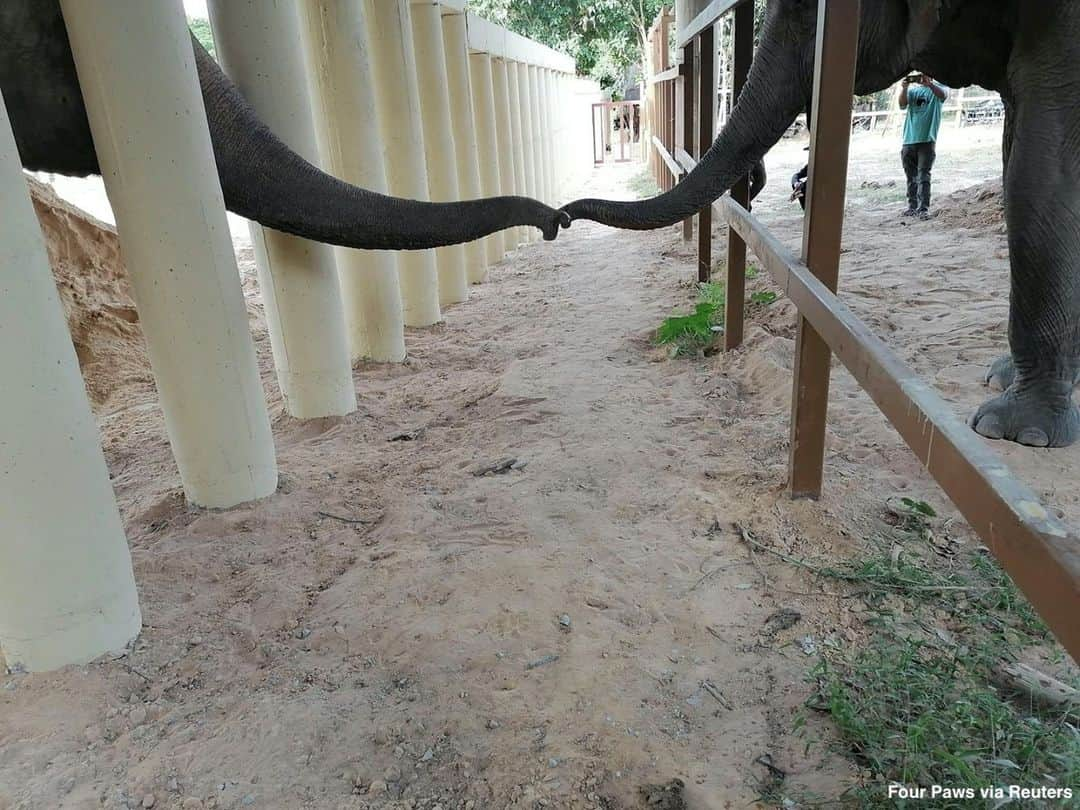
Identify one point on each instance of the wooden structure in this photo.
(1040, 553)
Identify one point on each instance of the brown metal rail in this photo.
(1040, 553)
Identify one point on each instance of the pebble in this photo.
(173, 786)
(191, 803)
(376, 787)
(564, 621)
(392, 774)
(248, 800)
(148, 800)
(428, 756)
(302, 632)
(137, 716)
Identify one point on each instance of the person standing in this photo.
(923, 98)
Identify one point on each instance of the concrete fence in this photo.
(415, 98)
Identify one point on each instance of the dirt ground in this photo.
(394, 629)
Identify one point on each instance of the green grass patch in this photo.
(694, 332)
(918, 703)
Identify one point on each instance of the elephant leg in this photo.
(1042, 208)
(1002, 372)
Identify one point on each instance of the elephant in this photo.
(1028, 52)
(261, 178)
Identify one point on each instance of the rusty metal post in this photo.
(706, 75)
(736, 257)
(687, 79)
(834, 82)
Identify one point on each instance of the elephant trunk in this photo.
(263, 180)
(772, 98)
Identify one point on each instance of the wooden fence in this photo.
(1040, 553)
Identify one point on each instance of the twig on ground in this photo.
(714, 690)
(360, 521)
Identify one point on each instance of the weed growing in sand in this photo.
(917, 704)
(692, 333)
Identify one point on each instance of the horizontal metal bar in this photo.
(683, 158)
(709, 16)
(673, 167)
(1041, 554)
(669, 75)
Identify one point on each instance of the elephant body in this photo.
(1027, 51)
(262, 179)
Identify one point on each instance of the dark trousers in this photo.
(918, 159)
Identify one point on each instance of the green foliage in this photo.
(201, 29)
(691, 333)
(764, 297)
(604, 36)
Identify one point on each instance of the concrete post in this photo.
(519, 121)
(137, 72)
(256, 44)
(462, 103)
(393, 75)
(67, 593)
(439, 148)
(486, 127)
(508, 139)
(539, 115)
(529, 135)
(547, 129)
(350, 141)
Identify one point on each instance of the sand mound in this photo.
(980, 206)
(85, 258)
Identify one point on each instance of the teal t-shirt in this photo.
(923, 115)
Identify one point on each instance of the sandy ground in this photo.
(393, 630)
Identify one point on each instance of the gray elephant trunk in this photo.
(774, 95)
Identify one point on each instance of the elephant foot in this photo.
(1029, 417)
(1002, 373)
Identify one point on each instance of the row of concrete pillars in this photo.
(414, 110)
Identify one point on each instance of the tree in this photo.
(605, 37)
(201, 29)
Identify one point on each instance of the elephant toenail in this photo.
(990, 427)
(1033, 437)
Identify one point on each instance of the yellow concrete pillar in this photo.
(137, 71)
(510, 175)
(486, 127)
(67, 593)
(535, 104)
(462, 103)
(547, 132)
(440, 151)
(256, 43)
(393, 75)
(528, 136)
(519, 133)
(347, 126)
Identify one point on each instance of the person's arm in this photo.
(903, 93)
(935, 88)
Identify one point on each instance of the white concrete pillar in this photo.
(137, 71)
(256, 43)
(439, 148)
(547, 129)
(536, 102)
(519, 126)
(393, 75)
(459, 82)
(350, 141)
(486, 126)
(67, 592)
(510, 174)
